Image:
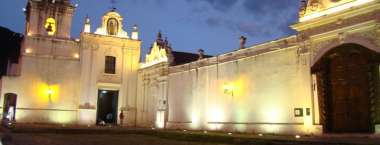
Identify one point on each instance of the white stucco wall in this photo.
(152, 96)
(94, 49)
(266, 90)
(37, 76)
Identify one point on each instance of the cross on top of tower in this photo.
(113, 4)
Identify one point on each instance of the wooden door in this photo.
(349, 91)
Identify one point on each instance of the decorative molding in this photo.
(341, 24)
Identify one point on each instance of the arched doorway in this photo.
(347, 78)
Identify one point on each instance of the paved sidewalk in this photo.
(94, 135)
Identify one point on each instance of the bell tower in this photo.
(51, 18)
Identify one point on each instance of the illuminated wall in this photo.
(262, 88)
(47, 88)
(152, 96)
(256, 89)
(243, 95)
(60, 78)
(94, 49)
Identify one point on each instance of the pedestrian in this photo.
(121, 117)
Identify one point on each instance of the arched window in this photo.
(112, 26)
(110, 65)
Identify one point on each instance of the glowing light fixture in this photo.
(49, 91)
(76, 55)
(28, 50)
(334, 10)
(229, 89)
(260, 134)
(297, 136)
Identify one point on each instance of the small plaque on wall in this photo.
(298, 112)
(308, 111)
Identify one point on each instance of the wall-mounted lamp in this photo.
(229, 89)
(28, 50)
(50, 93)
(76, 55)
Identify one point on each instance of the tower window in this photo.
(50, 26)
(110, 65)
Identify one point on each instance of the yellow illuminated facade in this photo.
(266, 89)
(157, 55)
(59, 78)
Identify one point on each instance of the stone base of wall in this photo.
(282, 129)
(46, 116)
(87, 116)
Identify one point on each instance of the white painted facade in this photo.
(259, 89)
(58, 78)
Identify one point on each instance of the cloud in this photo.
(274, 16)
(214, 21)
(267, 18)
(220, 5)
(269, 6)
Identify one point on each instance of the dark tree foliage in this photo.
(9, 48)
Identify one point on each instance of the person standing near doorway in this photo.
(121, 117)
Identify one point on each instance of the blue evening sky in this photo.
(213, 25)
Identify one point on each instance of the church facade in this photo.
(324, 79)
(59, 78)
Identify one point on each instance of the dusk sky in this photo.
(214, 25)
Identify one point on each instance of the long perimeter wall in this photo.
(252, 94)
